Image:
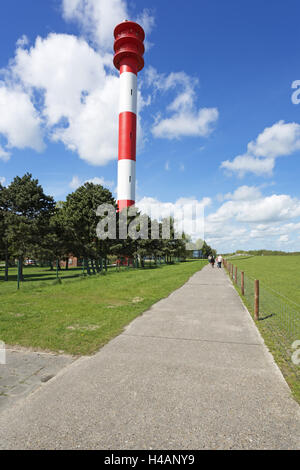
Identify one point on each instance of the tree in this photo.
(207, 250)
(27, 212)
(78, 215)
(4, 253)
(56, 244)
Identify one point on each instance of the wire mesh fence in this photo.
(278, 317)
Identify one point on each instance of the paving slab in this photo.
(191, 373)
(25, 371)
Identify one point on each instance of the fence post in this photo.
(256, 299)
(236, 280)
(18, 278)
(242, 283)
(232, 271)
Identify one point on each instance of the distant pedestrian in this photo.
(211, 260)
(219, 261)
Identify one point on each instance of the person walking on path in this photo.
(219, 260)
(212, 260)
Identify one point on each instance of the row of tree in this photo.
(33, 225)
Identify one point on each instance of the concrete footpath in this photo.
(190, 373)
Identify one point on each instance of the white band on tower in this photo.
(128, 92)
(126, 180)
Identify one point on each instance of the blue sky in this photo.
(217, 122)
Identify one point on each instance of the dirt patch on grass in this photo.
(137, 300)
(83, 328)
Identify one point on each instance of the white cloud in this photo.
(248, 219)
(279, 140)
(185, 119)
(167, 166)
(187, 212)
(276, 141)
(76, 182)
(101, 181)
(68, 88)
(97, 18)
(69, 92)
(2, 180)
(64, 68)
(146, 20)
(246, 164)
(93, 132)
(4, 155)
(283, 239)
(19, 121)
(187, 124)
(22, 41)
(264, 210)
(80, 99)
(244, 193)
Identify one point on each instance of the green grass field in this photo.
(280, 273)
(279, 321)
(80, 315)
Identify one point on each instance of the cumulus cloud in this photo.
(146, 20)
(187, 124)
(4, 155)
(248, 219)
(97, 18)
(279, 140)
(19, 121)
(266, 209)
(188, 213)
(247, 164)
(79, 97)
(244, 193)
(64, 68)
(93, 132)
(22, 41)
(185, 119)
(283, 239)
(276, 141)
(2, 180)
(67, 88)
(77, 182)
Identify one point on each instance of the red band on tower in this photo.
(127, 127)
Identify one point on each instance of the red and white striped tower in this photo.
(129, 51)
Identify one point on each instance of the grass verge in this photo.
(80, 315)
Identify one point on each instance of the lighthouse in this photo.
(128, 59)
